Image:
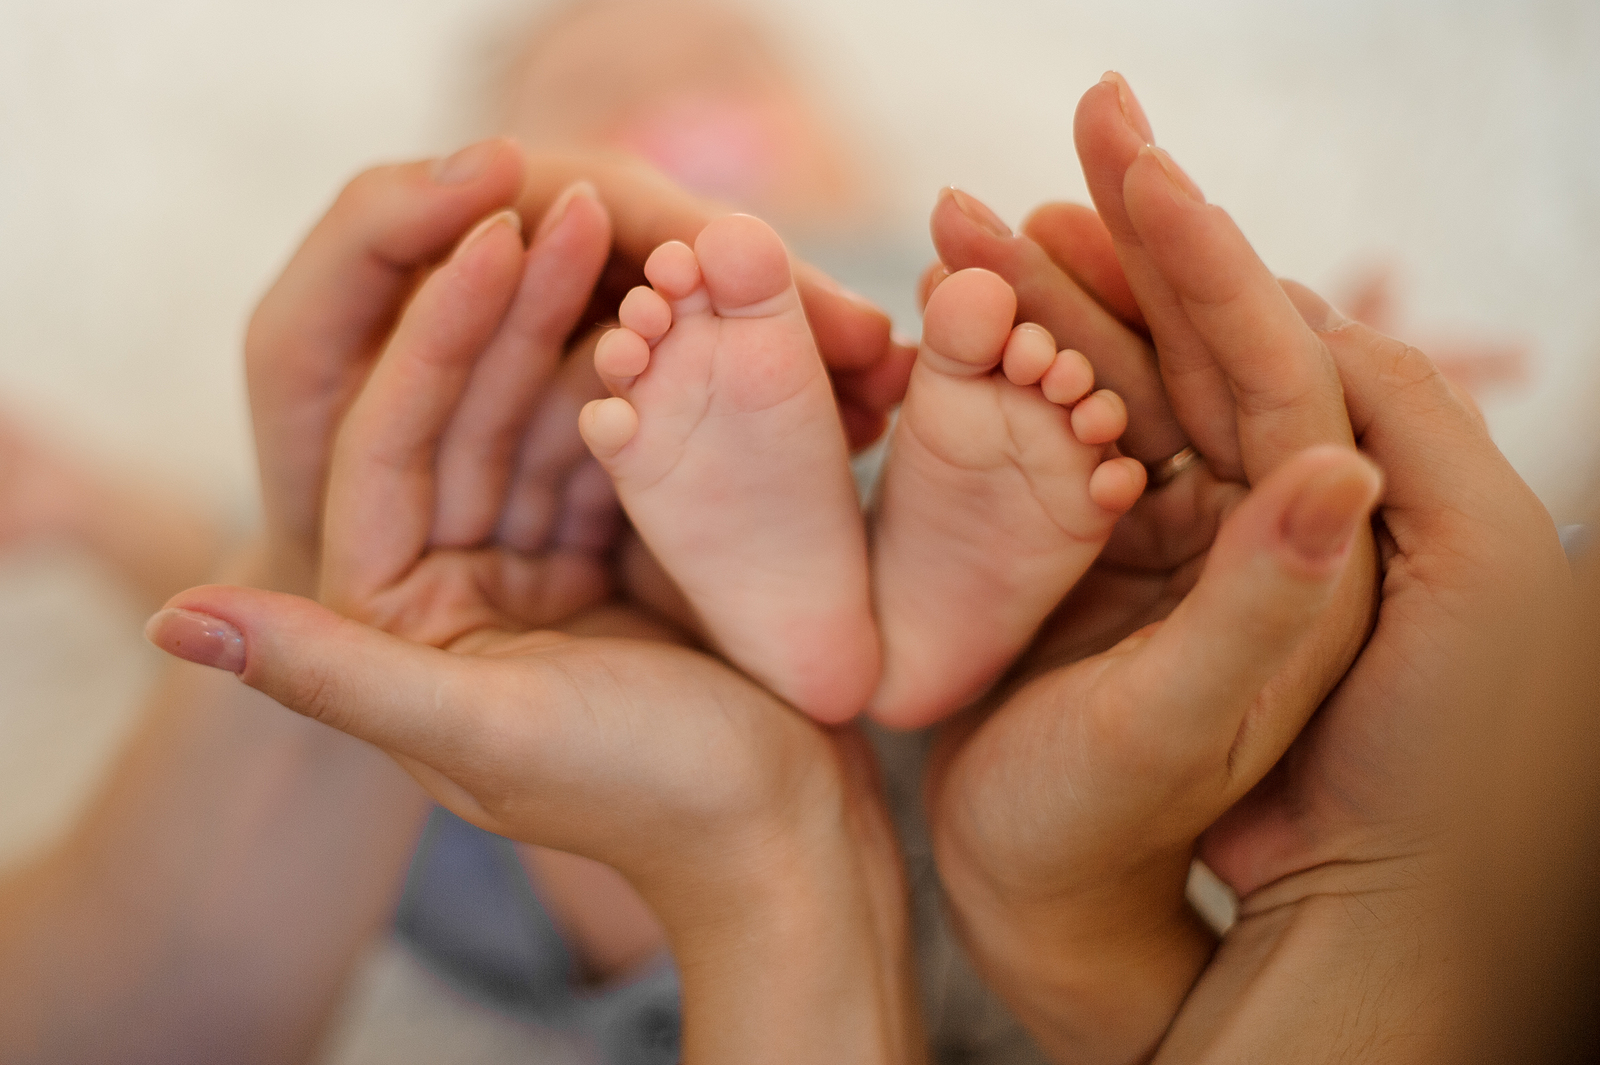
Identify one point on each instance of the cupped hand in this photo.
(1081, 796)
(315, 335)
(458, 527)
(1226, 607)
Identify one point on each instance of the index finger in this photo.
(647, 210)
(314, 334)
(1046, 294)
(1285, 387)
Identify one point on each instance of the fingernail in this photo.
(1332, 318)
(1182, 183)
(470, 162)
(980, 213)
(198, 638)
(1132, 113)
(499, 218)
(558, 210)
(1321, 524)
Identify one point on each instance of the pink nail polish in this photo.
(1182, 182)
(198, 638)
(558, 210)
(980, 214)
(1132, 113)
(470, 162)
(1321, 523)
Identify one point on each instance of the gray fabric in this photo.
(471, 915)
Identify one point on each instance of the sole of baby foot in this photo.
(724, 442)
(999, 491)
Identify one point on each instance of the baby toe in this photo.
(1029, 353)
(967, 323)
(1116, 484)
(644, 311)
(621, 355)
(1068, 378)
(1100, 419)
(673, 270)
(744, 263)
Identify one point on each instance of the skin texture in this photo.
(725, 446)
(756, 838)
(1307, 825)
(227, 821)
(998, 491)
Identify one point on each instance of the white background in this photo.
(159, 160)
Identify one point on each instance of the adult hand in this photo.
(1195, 705)
(315, 335)
(755, 836)
(1139, 648)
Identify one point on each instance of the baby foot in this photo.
(998, 492)
(724, 442)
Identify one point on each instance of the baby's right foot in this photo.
(999, 491)
(723, 439)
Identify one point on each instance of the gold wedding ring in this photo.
(1167, 470)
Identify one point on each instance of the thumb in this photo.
(397, 695)
(1270, 574)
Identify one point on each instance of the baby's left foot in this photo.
(999, 491)
(725, 445)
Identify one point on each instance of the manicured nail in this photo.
(1132, 113)
(198, 638)
(470, 162)
(499, 218)
(558, 210)
(1332, 318)
(1180, 181)
(980, 213)
(1321, 523)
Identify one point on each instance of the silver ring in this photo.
(1167, 470)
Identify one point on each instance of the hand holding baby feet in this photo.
(1000, 489)
(724, 441)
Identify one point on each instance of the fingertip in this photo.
(197, 637)
(1322, 519)
(931, 278)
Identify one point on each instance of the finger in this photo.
(359, 680)
(550, 454)
(1109, 130)
(312, 337)
(1442, 466)
(931, 278)
(479, 449)
(966, 234)
(1077, 240)
(381, 489)
(867, 396)
(1201, 677)
(648, 210)
(1285, 387)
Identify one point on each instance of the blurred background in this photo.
(159, 162)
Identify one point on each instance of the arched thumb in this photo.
(357, 679)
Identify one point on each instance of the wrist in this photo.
(1095, 975)
(797, 949)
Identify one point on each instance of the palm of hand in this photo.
(1071, 712)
